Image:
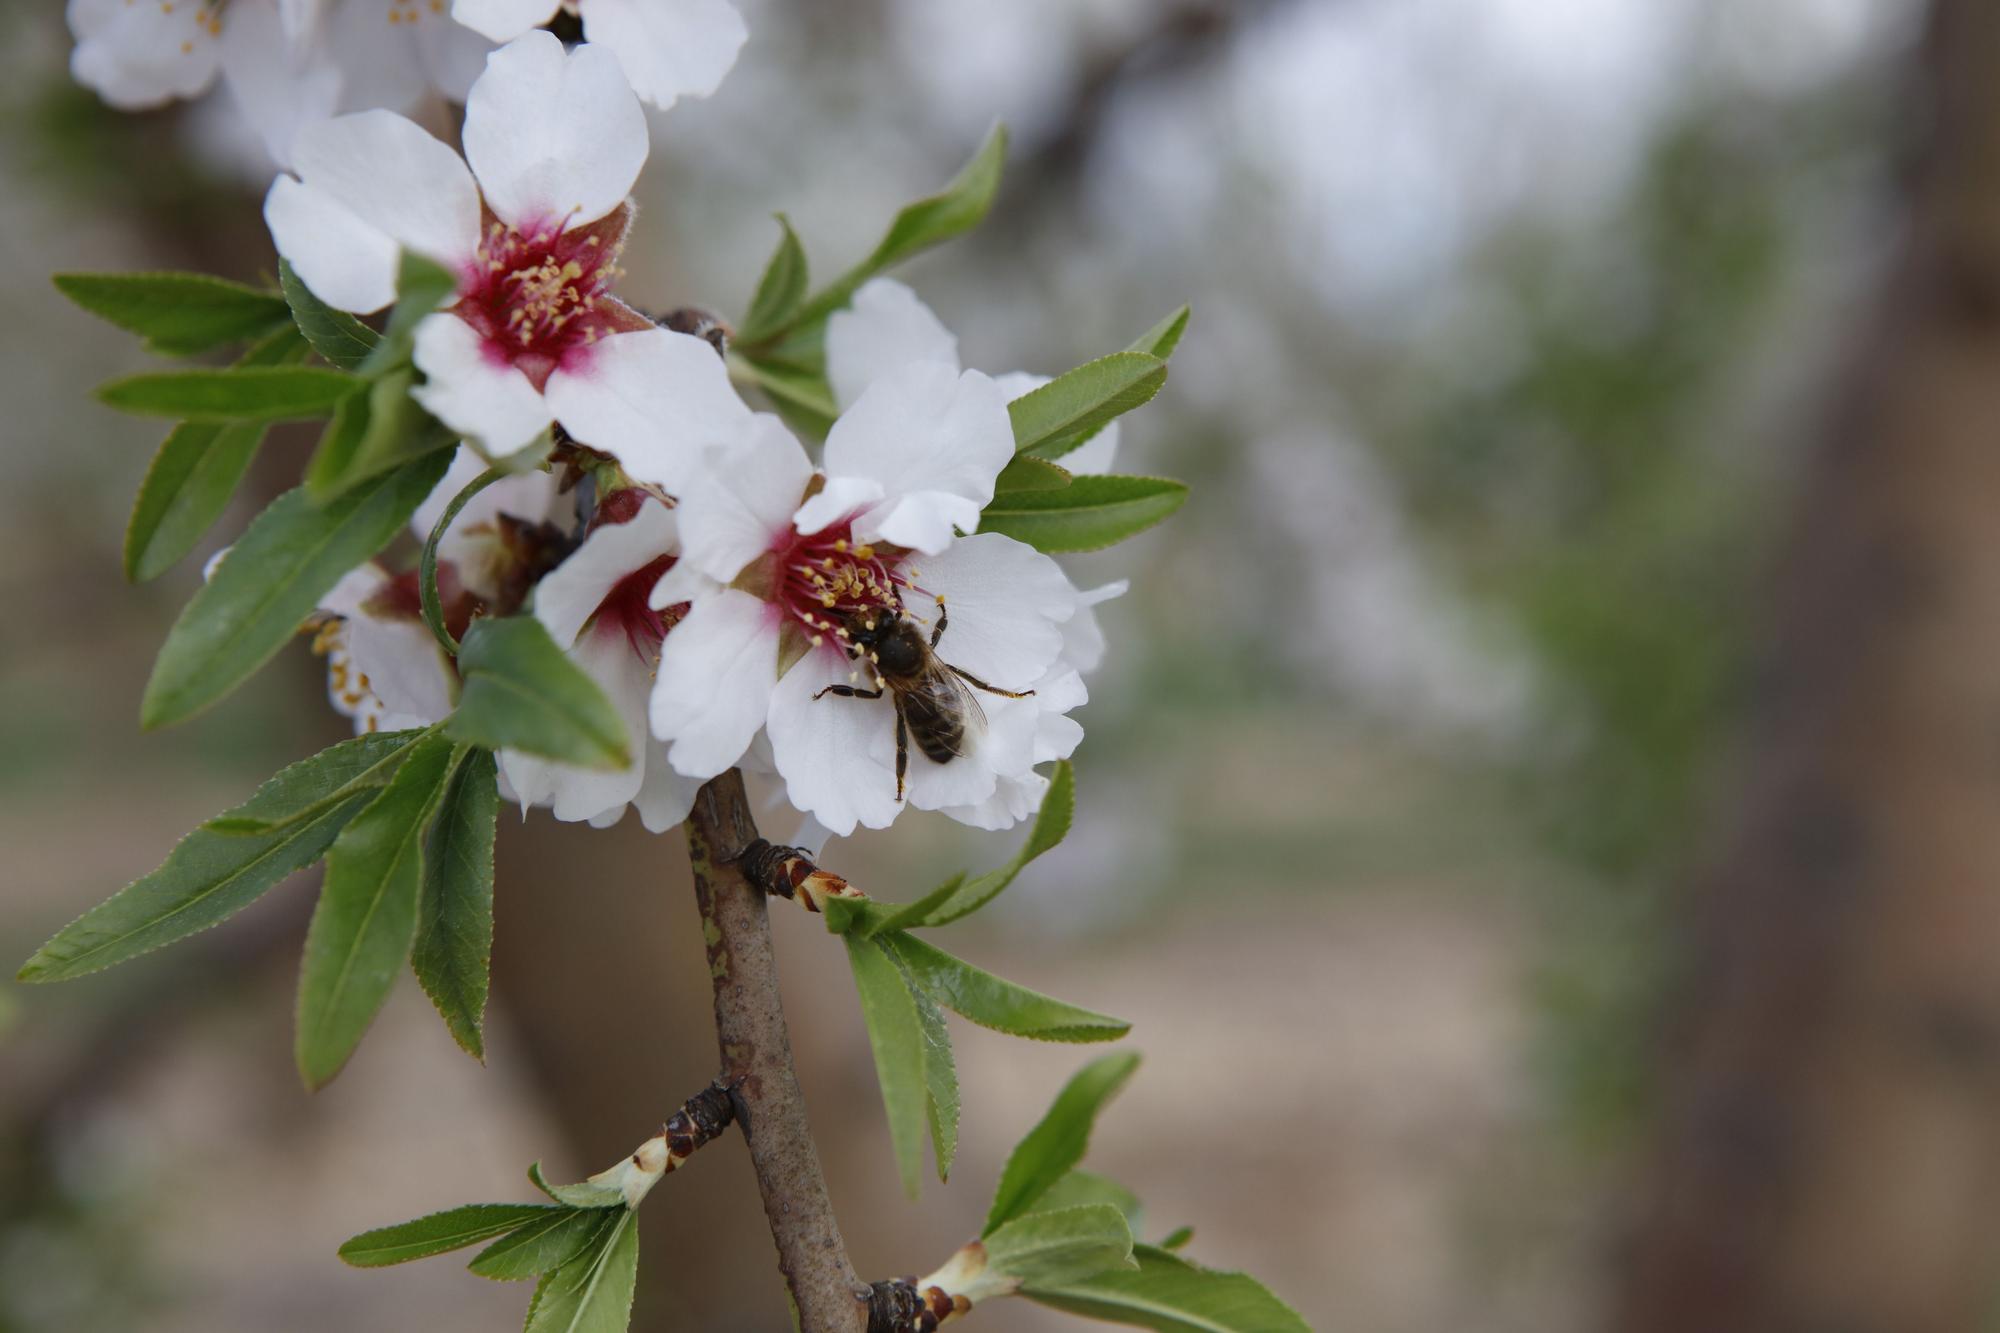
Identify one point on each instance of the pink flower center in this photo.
(538, 296)
(627, 608)
(826, 577)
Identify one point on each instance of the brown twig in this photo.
(757, 1066)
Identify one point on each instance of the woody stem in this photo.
(757, 1066)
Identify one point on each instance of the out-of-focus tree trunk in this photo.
(1829, 1156)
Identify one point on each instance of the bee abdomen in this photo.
(941, 740)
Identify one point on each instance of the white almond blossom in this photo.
(385, 669)
(670, 48)
(887, 325)
(532, 232)
(595, 605)
(284, 63)
(782, 567)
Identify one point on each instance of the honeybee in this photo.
(932, 703)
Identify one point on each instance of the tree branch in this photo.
(757, 1067)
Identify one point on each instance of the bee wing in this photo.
(940, 695)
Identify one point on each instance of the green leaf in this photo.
(455, 911)
(254, 393)
(215, 872)
(1027, 473)
(421, 287)
(1170, 1295)
(523, 693)
(336, 335)
(1177, 1238)
(366, 920)
(592, 1293)
(940, 1076)
(954, 210)
(1082, 1187)
(1087, 515)
(1060, 1245)
(965, 897)
(993, 1003)
(896, 1034)
(802, 397)
(271, 581)
(1057, 1144)
(544, 1245)
(782, 289)
(372, 433)
(583, 1194)
(194, 474)
(1070, 408)
(453, 1229)
(1163, 337)
(177, 313)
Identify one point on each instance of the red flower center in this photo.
(539, 297)
(825, 577)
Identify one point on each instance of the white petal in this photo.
(529, 496)
(379, 58)
(347, 263)
(555, 138)
(402, 664)
(717, 670)
(665, 797)
(141, 55)
(1003, 745)
(836, 500)
(278, 86)
(743, 500)
(682, 583)
(396, 178)
(837, 756)
(573, 793)
(452, 55)
(570, 594)
(1083, 639)
(668, 48)
(1013, 800)
(654, 398)
(1006, 602)
(885, 328)
(481, 397)
(356, 586)
(935, 441)
(504, 20)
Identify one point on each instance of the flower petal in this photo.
(504, 20)
(665, 797)
(656, 399)
(279, 86)
(837, 756)
(452, 55)
(743, 499)
(1003, 744)
(346, 263)
(555, 138)
(473, 393)
(668, 48)
(529, 496)
(935, 441)
(836, 500)
(141, 55)
(377, 57)
(570, 594)
(573, 793)
(717, 670)
(884, 328)
(1083, 639)
(1007, 603)
(396, 178)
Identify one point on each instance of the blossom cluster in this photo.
(840, 625)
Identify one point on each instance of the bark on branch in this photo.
(757, 1066)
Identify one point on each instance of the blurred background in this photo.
(1431, 791)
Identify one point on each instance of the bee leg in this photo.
(977, 683)
(937, 630)
(902, 753)
(849, 692)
